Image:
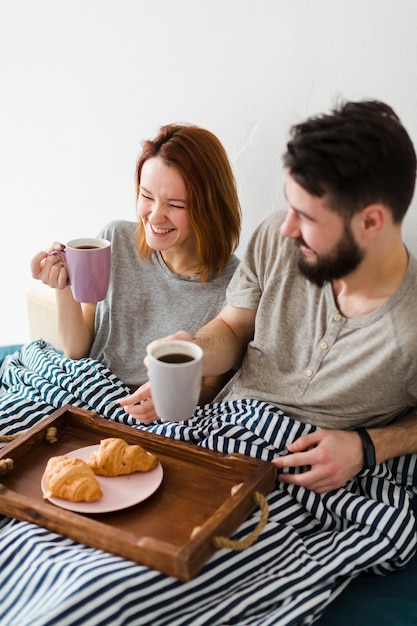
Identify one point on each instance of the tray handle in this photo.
(242, 544)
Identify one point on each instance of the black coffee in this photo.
(175, 357)
(87, 247)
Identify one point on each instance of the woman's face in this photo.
(162, 207)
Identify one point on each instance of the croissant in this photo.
(71, 479)
(115, 457)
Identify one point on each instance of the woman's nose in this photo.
(158, 210)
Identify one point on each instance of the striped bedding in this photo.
(311, 548)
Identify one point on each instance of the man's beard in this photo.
(343, 260)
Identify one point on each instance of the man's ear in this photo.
(373, 218)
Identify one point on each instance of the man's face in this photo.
(327, 246)
(341, 261)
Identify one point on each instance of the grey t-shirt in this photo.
(146, 301)
(306, 357)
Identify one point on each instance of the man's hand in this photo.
(181, 334)
(330, 459)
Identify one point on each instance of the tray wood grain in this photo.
(173, 530)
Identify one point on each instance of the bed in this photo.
(321, 559)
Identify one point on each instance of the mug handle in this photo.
(54, 252)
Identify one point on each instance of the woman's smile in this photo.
(160, 231)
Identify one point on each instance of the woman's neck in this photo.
(182, 264)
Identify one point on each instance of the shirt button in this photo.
(309, 373)
(337, 317)
(324, 345)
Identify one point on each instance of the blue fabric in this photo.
(6, 350)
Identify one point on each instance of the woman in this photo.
(170, 270)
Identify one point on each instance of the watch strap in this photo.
(368, 447)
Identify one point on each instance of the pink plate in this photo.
(119, 492)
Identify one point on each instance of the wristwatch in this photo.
(368, 448)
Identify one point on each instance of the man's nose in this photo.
(290, 227)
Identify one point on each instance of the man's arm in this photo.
(332, 457)
(224, 340)
(399, 437)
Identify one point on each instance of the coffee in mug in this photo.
(176, 357)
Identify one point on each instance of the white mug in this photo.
(175, 370)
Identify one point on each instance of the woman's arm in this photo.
(75, 324)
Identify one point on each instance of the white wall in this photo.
(82, 82)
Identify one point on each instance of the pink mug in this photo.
(88, 262)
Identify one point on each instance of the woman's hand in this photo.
(140, 405)
(51, 269)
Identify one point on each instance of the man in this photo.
(320, 314)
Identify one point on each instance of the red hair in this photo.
(212, 206)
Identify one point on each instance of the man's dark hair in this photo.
(358, 154)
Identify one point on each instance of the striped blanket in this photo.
(310, 549)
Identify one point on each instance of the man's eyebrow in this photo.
(307, 216)
(298, 211)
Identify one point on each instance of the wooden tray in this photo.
(173, 530)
